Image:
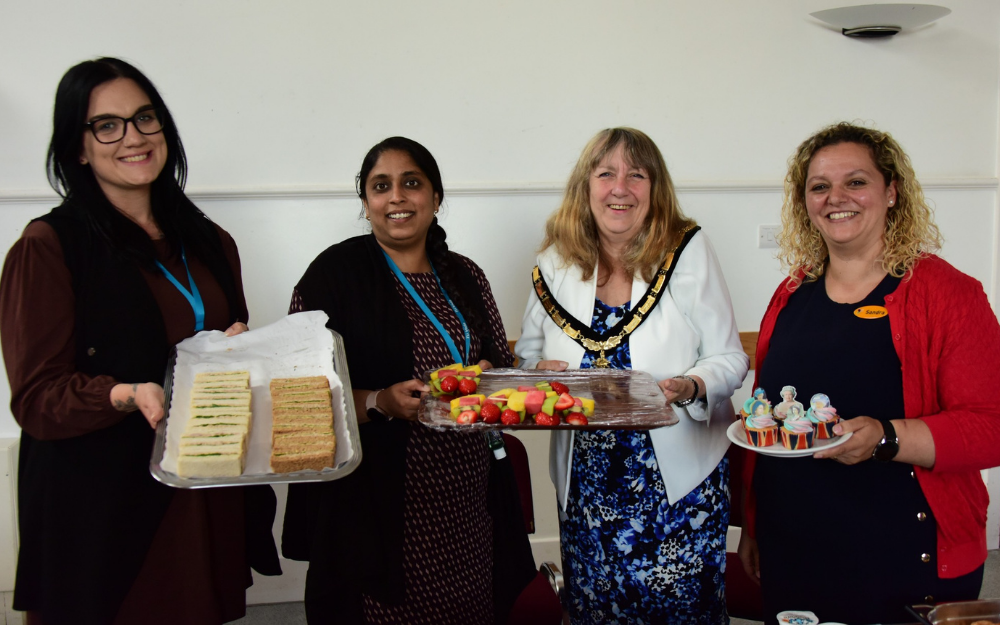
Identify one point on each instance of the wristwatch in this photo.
(689, 400)
(371, 407)
(888, 447)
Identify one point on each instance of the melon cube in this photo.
(533, 401)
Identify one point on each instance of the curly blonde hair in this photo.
(573, 230)
(910, 232)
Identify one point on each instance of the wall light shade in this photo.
(880, 20)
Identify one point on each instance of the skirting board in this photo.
(9, 448)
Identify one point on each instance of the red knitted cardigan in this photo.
(948, 340)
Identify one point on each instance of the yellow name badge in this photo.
(871, 312)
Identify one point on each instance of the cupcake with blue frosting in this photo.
(748, 406)
(760, 427)
(822, 415)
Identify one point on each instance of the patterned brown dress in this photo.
(445, 510)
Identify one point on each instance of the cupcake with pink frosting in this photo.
(797, 432)
(822, 415)
(761, 429)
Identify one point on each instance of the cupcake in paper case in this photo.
(822, 415)
(797, 617)
(760, 428)
(797, 432)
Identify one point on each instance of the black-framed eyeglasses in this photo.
(112, 129)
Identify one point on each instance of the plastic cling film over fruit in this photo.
(578, 399)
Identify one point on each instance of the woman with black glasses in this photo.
(92, 297)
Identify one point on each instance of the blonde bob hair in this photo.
(909, 234)
(573, 230)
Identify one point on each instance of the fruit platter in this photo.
(588, 399)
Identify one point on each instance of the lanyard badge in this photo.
(455, 354)
(193, 296)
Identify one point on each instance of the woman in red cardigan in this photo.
(896, 515)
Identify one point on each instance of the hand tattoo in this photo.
(129, 404)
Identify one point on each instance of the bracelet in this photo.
(371, 403)
(689, 400)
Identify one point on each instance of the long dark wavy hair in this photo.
(446, 263)
(179, 219)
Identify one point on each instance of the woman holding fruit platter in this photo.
(429, 527)
(911, 352)
(643, 513)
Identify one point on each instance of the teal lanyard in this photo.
(193, 296)
(493, 438)
(455, 354)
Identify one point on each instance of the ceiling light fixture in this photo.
(880, 20)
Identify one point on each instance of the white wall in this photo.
(278, 102)
(289, 94)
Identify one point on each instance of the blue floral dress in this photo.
(629, 556)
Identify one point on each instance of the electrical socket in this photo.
(767, 236)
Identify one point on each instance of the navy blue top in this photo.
(821, 346)
(843, 541)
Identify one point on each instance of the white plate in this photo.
(737, 435)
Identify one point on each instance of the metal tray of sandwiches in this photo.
(581, 399)
(981, 612)
(272, 405)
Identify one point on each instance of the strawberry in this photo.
(490, 413)
(559, 387)
(543, 418)
(509, 417)
(467, 386)
(449, 384)
(467, 416)
(565, 401)
(577, 418)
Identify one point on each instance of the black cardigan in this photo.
(89, 508)
(351, 530)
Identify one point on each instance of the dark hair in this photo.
(179, 219)
(420, 155)
(446, 263)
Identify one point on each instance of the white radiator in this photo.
(8, 512)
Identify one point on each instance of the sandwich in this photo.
(214, 441)
(302, 434)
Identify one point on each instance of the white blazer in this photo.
(691, 331)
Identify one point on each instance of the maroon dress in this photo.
(444, 508)
(196, 570)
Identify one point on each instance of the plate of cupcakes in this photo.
(788, 428)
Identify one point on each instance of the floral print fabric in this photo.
(605, 318)
(629, 556)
